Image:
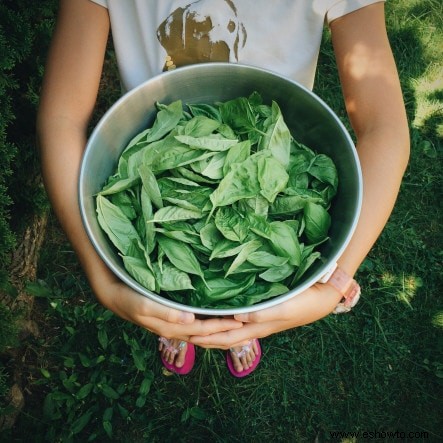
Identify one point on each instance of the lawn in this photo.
(379, 369)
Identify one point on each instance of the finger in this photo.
(230, 339)
(170, 315)
(198, 327)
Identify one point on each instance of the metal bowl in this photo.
(310, 120)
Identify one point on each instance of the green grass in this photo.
(376, 369)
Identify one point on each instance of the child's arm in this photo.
(374, 102)
(68, 97)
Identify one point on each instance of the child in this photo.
(284, 36)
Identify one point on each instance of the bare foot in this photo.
(243, 356)
(173, 351)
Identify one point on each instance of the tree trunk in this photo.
(23, 269)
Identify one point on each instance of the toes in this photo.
(245, 362)
(180, 357)
(169, 352)
(238, 364)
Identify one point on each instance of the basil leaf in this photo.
(237, 154)
(259, 292)
(242, 256)
(201, 126)
(272, 177)
(285, 243)
(120, 185)
(277, 273)
(150, 185)
(114, 222)
(265, 259)
(180, 255)
(317, 222)
(210, 143)
(233, 225)
(238, 114)
(147, 217)
(203, 109)
(170, 278)
(166, 120)
(220, 288)
(139, 271)
(323, 169)
(278, 137)
(210, 236)
(240, 182)
(174, 213)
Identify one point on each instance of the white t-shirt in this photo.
(284, 36)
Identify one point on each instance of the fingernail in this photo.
(242, 317)
(186, 317)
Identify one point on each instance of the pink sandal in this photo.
(241, 354)
(189, 358)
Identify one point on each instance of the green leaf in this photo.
(238, 114)
(260, 292)
(323, 169)
(272, 177)
(84, 391)
(210, 236)
(102, 336)
(240, 182)
(317, 221)
(201, 126)
(213, 166)
(198, 413)
(214, 142)
(180, 255)
(206, 110)
(150, 185)
(147, 232)
(120, 185)
(139, 270)
(139, 356)
(285, 243)
(225, 248)
(107, 426)
(277, 273)
(170, 278)
(145, 386)
(237, 154)
(242, 256)
(45, 373)
(51, 408)
(81, 422)
(232, 224)
(266, 260)
(221, 288)
(175, 213)
(115, 223)
(278, 137)
(109, 392)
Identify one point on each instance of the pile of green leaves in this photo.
(218, 205)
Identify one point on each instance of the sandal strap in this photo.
(172, 349)
(244, 350)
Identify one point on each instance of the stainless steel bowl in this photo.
(310, 120)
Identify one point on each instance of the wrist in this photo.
(345, 285)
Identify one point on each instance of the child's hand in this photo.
(157, 318)
(307, 307)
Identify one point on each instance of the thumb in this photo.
(182, 317)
